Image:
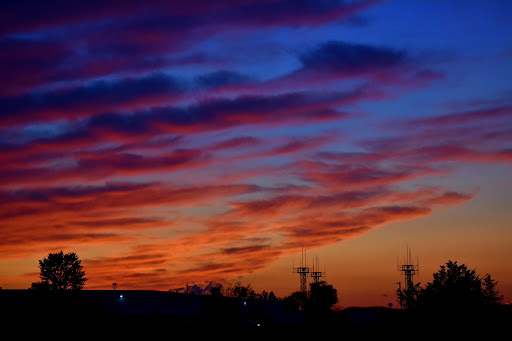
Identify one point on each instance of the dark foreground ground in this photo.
(161, 315)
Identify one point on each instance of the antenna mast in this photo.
(303, 271)
(408, 269)
(315, 273)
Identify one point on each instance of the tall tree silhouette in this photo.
(59, 271)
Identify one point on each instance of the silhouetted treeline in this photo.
(457, 302)
(241, 291)
(455, 289)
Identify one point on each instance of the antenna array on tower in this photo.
(304, 270)
(315, 273)
(408, 269)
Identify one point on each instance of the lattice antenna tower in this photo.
(408, 269)
(316, 274)
(303, 271)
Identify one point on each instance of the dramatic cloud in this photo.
(90, 99)
(339, 57)
(475, 135)
(175, 142)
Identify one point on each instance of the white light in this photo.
(121, 296)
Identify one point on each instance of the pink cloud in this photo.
(450, 198)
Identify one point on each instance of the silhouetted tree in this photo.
(455, 287)
(266, 296)
(263, 296)
(320, 299)
(216, 291)
(408, 298)
(296, 301)
(322, 296)
(59, 271)
(238, 290)
(491, 295)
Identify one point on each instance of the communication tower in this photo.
(408, 269)
(315, 273)
(303, 271)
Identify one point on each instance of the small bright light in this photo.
(120, 296)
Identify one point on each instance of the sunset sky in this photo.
(169, 143)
